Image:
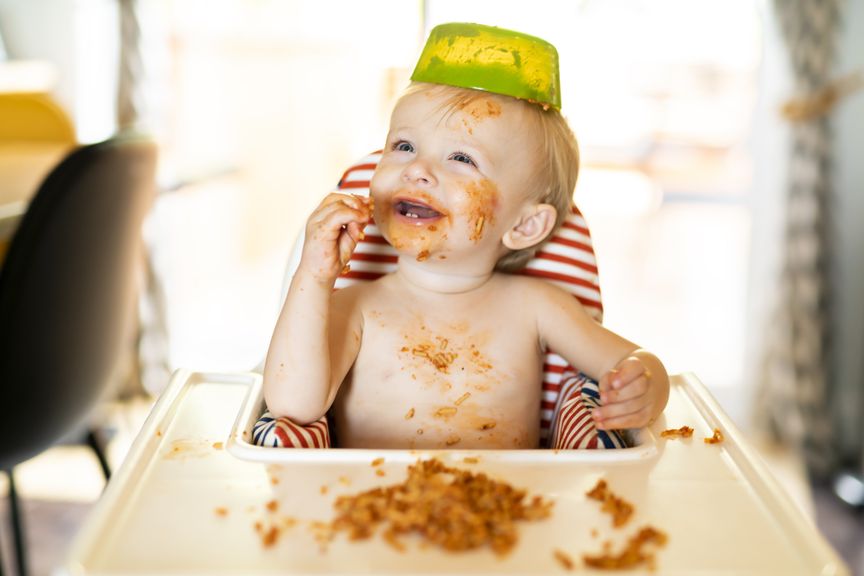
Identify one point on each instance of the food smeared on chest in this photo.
(436, 352)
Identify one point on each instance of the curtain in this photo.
(793, 400)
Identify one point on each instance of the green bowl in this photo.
(491, 59)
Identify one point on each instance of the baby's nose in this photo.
(419, 172)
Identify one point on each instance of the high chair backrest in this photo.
(567, 259)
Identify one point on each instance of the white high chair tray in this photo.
(182, 503)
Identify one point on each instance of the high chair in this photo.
(566, 260)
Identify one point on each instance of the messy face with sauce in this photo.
(454, 175)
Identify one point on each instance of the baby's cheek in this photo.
(482, 201)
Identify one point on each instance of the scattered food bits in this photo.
(487, 425)
(633, 555)
(377, 461)
(450, 508)
(380, 472)
(470, 460)
(221, 511)
(324, 489)
(274, 480)
(717, 438)
(462, 398)
(344, 481)
(683, 432)
(620, 509)
(218, 445)
(409, 414)
(422, 256)
(272, 505)
(452, 440)
(564, 559)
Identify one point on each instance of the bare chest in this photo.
(443, 378)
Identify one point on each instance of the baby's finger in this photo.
(338, 214)
(630, 390)
(619, 409)
(638, 419)
(626, 371)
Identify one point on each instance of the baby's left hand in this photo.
(630, 395)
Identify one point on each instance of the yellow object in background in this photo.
(34, 117)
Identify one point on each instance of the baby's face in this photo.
(453, 180)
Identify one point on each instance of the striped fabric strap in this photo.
(574, 427)
(282, 433)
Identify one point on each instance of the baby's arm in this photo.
(634, 385)
(313, 344)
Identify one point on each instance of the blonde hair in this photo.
(556, 172)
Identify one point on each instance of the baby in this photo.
(448, 350)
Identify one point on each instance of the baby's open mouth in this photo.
(416, 211)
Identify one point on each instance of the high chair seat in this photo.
(566, 260)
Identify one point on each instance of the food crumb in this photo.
(462, 398)
(344, 481)
(380, 472)
(452, 440)
(445, 412)
(221, 511)
(218, 445)
(419, 431)
(717, 438)
(487, 425)
(409, 414)
(470, 460)
(274, 480)
(620, 509)
(683, 432)
(272, 505)
(423, 256)
(269, 538)
(377, 461)
(564, 559)
(324, 489)
(633, 555)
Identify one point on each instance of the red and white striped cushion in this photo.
(567, 260)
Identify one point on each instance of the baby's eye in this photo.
(403, 146)
(462, 157)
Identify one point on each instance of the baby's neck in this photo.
(430, 279)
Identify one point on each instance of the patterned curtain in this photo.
(129, 79)
(794, 396)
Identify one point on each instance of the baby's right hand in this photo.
(332, 233)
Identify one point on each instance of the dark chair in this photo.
(68, 289)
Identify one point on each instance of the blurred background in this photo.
(721, 178)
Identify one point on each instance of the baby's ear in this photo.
(533, 226)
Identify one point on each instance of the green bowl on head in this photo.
(491, 59)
